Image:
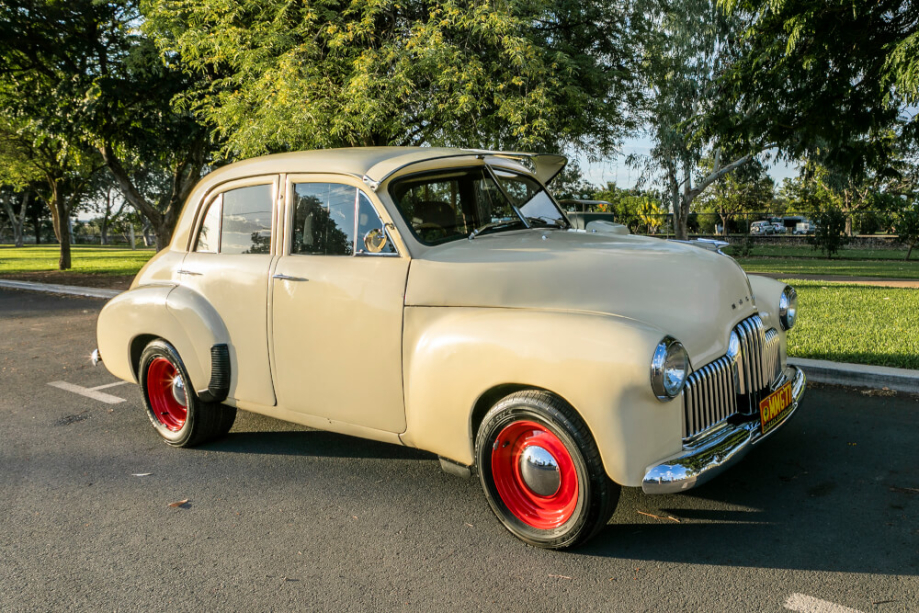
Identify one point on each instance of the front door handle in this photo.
(286, 278)
(189, 272)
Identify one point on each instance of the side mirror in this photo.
(375, 240)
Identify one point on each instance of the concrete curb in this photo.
(69, 290)
(859, 375)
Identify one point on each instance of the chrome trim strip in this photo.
(718, 450)
(96, 357)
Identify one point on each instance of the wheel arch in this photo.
(493, 395)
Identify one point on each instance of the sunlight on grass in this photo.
(91, 260)
(895, 269)
(858, 324)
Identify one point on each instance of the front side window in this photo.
(332, 219)
(238, 221)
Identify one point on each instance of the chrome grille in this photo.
(732, 384)
(709, 396)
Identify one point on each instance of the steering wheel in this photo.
(426, 229)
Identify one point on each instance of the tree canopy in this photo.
(823, 75)
(287, 75)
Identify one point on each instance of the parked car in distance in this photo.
(440, 299)
(779, 227)
(762, 228)
(804, 227)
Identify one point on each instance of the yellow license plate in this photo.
(774, 407)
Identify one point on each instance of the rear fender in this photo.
(176, 314)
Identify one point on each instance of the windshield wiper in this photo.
(546, 221)
(493, 225)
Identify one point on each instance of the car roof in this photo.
(375, 163)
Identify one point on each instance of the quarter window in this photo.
(209, 235)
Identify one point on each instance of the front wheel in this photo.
(177, 413)
(541, 471)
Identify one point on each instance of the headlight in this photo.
(788, 307)
(669, 367)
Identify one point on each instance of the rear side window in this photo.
(238, 221)
(247, 220)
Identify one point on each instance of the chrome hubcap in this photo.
(178, 391)
(539, 470)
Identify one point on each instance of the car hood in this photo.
(690, 293)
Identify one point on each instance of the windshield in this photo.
(447, 205)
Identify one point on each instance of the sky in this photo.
(617, 171)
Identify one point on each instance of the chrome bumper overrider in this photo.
(96, 357)
(718, 450)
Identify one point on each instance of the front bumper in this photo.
(717, 451)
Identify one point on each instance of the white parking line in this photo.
(808, 604)
(108, 385)
(90, 392)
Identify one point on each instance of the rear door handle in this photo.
(286, 278)
(189, 272)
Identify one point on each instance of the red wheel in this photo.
(179, 415)
(541, 471)
(534, 475)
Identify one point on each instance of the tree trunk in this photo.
(910, 250)
(20, 224)
(163, 232)
(131, 236)
(60, 218)
(16, 222)
(146, 230)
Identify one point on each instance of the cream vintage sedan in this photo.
(440, 299)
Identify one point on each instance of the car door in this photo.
(228, 263)
(337, 308)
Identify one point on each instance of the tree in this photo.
(279, 76)
(692, 45)
(47, 67)
(829, 231)
(85, 87)
(824, 75)
(155, 150)
(749, 189)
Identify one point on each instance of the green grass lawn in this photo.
(858, 324)
(770, 251)
(897, 269)
(85, 259)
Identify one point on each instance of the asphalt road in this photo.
(282, 518)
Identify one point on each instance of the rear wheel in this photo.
(177, 413)
(541, 471)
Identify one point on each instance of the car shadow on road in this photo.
(315, 443)
(811, 500)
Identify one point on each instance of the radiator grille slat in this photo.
(711, 392)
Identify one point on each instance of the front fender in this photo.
(600, 364)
